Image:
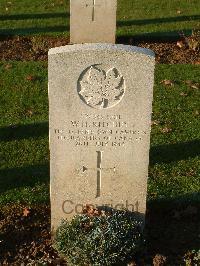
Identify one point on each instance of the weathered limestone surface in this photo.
(100, 99)
(93, 21)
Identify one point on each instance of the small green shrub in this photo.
(99, 239)
(192, 258)
(193, 41)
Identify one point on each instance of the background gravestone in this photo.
(93, 21)
(100, 116)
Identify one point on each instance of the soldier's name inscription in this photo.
(99, 131)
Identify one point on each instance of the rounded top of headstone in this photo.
(101, 46)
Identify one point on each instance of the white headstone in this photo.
(93, 21)
(100, 117)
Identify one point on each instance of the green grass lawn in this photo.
(154, 17)
(174, 170)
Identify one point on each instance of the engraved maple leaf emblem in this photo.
(102, 89)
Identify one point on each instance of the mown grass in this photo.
(154, 17)
(24, 163)
(174, 167)
(174, 170)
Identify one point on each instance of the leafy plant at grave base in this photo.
(192, 42)
(99, 239)
(38, 44)
(192, 258)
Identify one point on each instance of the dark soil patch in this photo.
(173, 230)
(170, 53)
(25, 237)
(36, 48)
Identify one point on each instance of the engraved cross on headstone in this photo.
(92, 21)
(93, 5)
(99, 170)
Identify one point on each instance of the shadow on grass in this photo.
(168, 36)
(33, 16)
(124, 23)
(172, 226)
(174, 152)
(129, 38)
(33, 30)
(27, 175)
(23, 177)
(17, 132)
(120, 23)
